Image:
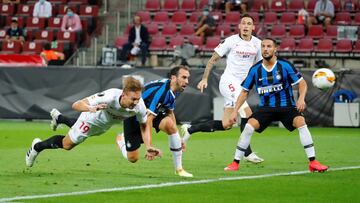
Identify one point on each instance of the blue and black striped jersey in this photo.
(273, 86)
(158, 96)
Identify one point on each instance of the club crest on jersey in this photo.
(278, 76)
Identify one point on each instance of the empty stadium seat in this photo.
(161, 17)
(343, 45)
(324, 45)
(89, 11)
(278, 5)
(255, 15)
(66, 37)
(32, 48)
(357, 19)
(331, 31)
(202, 4)
(2, 34)
(152, 29)
(7, 9)
(158, 43)
(350, 6)
(311, 6)
(287, 45)
(316, 31)
(63, 2)
(179, 17)
(54, 23)
(259, 5)
(188, 5)
(170, 5)
(223, 30)
(295, 5)
(232, 18)
(169, 30)
(260, 31)
(144, 16)
(343, 18)
(194, 17)
(35, 23)
(78, 2)
(288, 18)
(196, 41)
(337, 5)
(187, 30)
(357, 46)
(175, 41)
(152, 5)
(305, 45)
(211, 43)
(297, 31)
(120, 41)
(11, 47)
(25, 10)
(44, 36)
(278, 31)
(270, 18)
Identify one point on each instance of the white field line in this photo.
(168, 184)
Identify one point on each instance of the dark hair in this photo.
(132, 85)
(271, 39)
(175, 71)
(47, 46)
(248, 16)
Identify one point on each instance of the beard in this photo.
(268, 57)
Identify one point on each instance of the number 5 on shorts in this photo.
(84, 128)
(232, 88)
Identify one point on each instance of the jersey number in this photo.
(84, 128)
(231, 87)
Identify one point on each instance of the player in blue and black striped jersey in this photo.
(273, 79)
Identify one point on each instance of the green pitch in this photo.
(98, 164)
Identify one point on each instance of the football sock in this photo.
(208, 126)
(307, 142)
(122, 146)
(65, 120)
(244, 141)
(176, 150)
(53, 142)
(248, 150)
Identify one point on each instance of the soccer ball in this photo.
(323, 78)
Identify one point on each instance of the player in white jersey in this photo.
(99, 113)
(242, 50)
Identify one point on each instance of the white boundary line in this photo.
(168, 184)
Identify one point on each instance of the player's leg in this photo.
(57, 118)
(167, 125)
(307, 142)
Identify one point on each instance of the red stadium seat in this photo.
(211, 43)
(259, 5)
(152, 5)
(350, 6)
(311, 6)
(255, 15)
(305, 45)
(63, 2)
(44, 36)
(357, 46)
(20, 20)
(158, 43)
(66, 37)
(295, 5)
(32, 48)
(152, 29)
(62, 9)
(343, 45)
(270, 18)
(11, 47)
(196, 41)
(202, 4)
(179, 17)
(260, 31)
(78, 2)
(25, 10)
(343, 18)
(232, 18)
(194, 17)
(60, 46)
(337, 5)
(278, 31)
(357, 19)
(331, 32)
(288, 18)
(2, 34)
(30, 34)
(188, 5)
(223, 30)
(170, 5)
(161, 17)
(35, 23)
(316, 31)
(187, 30)
(169, 30)
(175, 41)
(287, 45)
(217, 15)
(324, 45)
(297, 31)
(54, 23)
(7, 9)
(89, 11)
(144, 16)
(278, 5)
(120, 41)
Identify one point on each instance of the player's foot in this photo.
(54, 113)
(185, 132)
(317, 166)
(183, 173)
(232, 167)
(253, 158)
(31, 153)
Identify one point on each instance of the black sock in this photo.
(53, 142)
(242, 126)
(65, 120)
(311, 158)
(237, 161)
(208, 126)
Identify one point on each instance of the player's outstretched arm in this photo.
(151, 152)
(300, 103)
(239, 102)
(210, 64)
(84, 106)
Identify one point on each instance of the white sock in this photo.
(306, 141)
(244, 141)
(122, 146)
(175, 147)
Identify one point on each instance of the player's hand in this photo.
(300, 105)
(233, 117)
(152, 152)
(202, 84)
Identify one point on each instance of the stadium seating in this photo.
(305, 45)
(211, 43)
(324, 45)
(297, 31)
(196, 41)
(287, 45)
(144, 16)
(158, 43)
(259, 5)
(202, 4)
(120, 41)
(343, 18)
(278, 5)
(223, 30)
(44, 36)
(232, 18)
(357, 46)
(161, 17)
(32, 48)
(35, 23)
(295, 5)
(288, 18)
(179, 17)
(20, 20)
(7, 9)
(270, 18)
(188, 5)
(331, 32)
(169, 30)
(54, 23)
(152, 29)
(88, 11)
(25, 10)
(255, 15)
(66, 37)
(316, 31)
(194, 17)
(357, 19)
(311, 6)
(11, 48)
(337, 5)
(278, 31)
(175, 41)
(187, 30)
(152, 5)
(343, 45)
(170, 5)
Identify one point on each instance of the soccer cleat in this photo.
(54, 113)
(317, 166)
(184, 132)
(183, 173)
(253, 158)
(232, 167)
(31, 154)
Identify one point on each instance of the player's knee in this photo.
(132, 158)
(227, 125)
(299, 121)
(67, 147)
(254, 123)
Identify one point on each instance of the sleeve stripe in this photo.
(157, 97)
(296, 82)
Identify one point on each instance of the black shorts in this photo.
(266, 115)
(132, 132)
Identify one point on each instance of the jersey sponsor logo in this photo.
(278, 77)
(100, 94)
(269, 89)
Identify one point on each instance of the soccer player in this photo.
(99, 113)
(159, 97)
(242, 50)
(273, 79)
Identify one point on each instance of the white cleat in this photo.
(54, 113)
(31, 153)
(184, 132)
(253, 158)
(183, 173)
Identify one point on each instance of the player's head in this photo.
(131, 92)
(47, 46)
(179, 76)
(246, 25)
(268, 48)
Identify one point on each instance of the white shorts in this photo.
(84, 128)
(230, 89)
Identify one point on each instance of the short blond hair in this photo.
(132, 85)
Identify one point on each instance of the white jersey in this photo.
(89, 124)
(241, 55)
